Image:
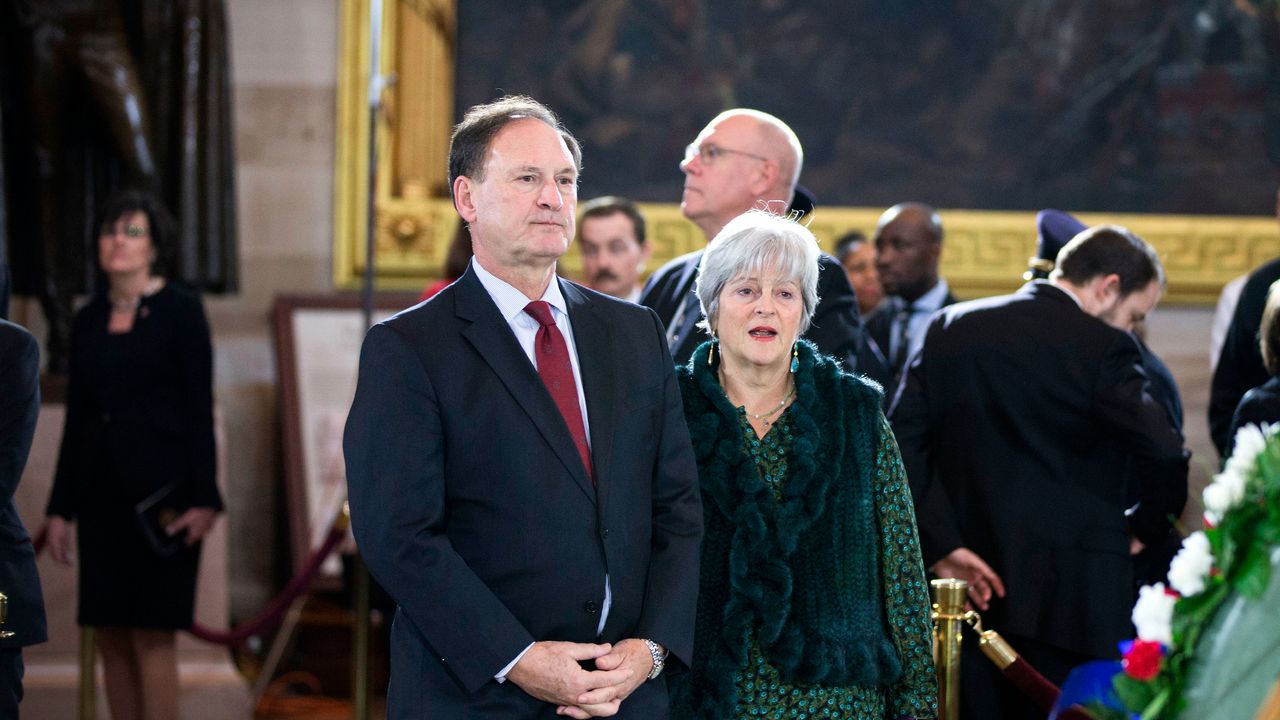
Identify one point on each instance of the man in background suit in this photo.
(908, 242)
(526, 511)
(1016, 421)
(741, 160)
(19, 407)
(1054, 229)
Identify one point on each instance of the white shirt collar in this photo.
(510, 301)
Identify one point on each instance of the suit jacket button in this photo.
(604, 534)
(591, 606)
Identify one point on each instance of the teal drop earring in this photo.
(795, 357)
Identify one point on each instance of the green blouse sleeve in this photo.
(906, 599)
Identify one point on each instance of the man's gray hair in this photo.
(754, 242)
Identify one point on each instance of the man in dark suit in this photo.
(1054, 229)
(741, 160)
(19, 407)
(1016, 422)
(536, 519)
(908, 242)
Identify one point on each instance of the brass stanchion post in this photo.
(88, 680)
(948, 620)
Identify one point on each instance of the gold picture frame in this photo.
(985, 252)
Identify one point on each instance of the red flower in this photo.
(1142, 661)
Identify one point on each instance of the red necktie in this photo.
(552, 355)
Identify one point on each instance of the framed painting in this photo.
(318, 340)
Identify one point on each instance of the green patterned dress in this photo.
(762, 693)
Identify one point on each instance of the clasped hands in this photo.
(550, 672)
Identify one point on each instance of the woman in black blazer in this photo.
(136, 469)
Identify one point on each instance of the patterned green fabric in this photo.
(812, 589)
(763, 693)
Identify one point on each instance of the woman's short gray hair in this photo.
(755, 241)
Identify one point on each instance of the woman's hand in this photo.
(57, 534)
(197, 521)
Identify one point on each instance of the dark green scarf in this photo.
(805, 569)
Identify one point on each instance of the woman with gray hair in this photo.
(812, 597)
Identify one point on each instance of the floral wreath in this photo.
(1232, 553)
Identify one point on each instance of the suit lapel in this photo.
(690, 335)
(492, 338)
(598, 365)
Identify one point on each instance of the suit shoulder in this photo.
(424, 315)
(676, 265)
(14, 337)
(19, 351)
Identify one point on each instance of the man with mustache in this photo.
(741, 160)
(614, 251)
(536, 521)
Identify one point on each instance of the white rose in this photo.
(1153, 614)
(1191, 566)
(1217, 502)
(1251, 440)
(1234, 484)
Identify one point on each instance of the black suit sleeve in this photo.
(836, 327)
(910, 415)
(394, 447)
(20, 387)
(195, 355)
(672, 586)
(1123, 401)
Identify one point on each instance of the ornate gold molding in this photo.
(985, 252)
(412, 232)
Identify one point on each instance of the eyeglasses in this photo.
(133, 231)
(708, 154)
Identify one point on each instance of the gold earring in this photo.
(711, 352)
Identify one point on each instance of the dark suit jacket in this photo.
(472, 508)
(1015, 424)
(877, 328)
(1259, 405)
(19, 407)
(1240, 364)
(836, 328)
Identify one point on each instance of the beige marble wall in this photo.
(284, 65)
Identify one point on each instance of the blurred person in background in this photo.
(136, 472)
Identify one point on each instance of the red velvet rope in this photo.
(1040, 690)
(270, 616)
(274, 612)
(1032, 684)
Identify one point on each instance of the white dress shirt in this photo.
(921, 310)
(511, 303)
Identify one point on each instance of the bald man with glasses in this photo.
(741, 160)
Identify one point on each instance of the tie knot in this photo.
(540, 310)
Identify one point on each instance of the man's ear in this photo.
(1110, 285)
(765, 178)
(463, 202)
